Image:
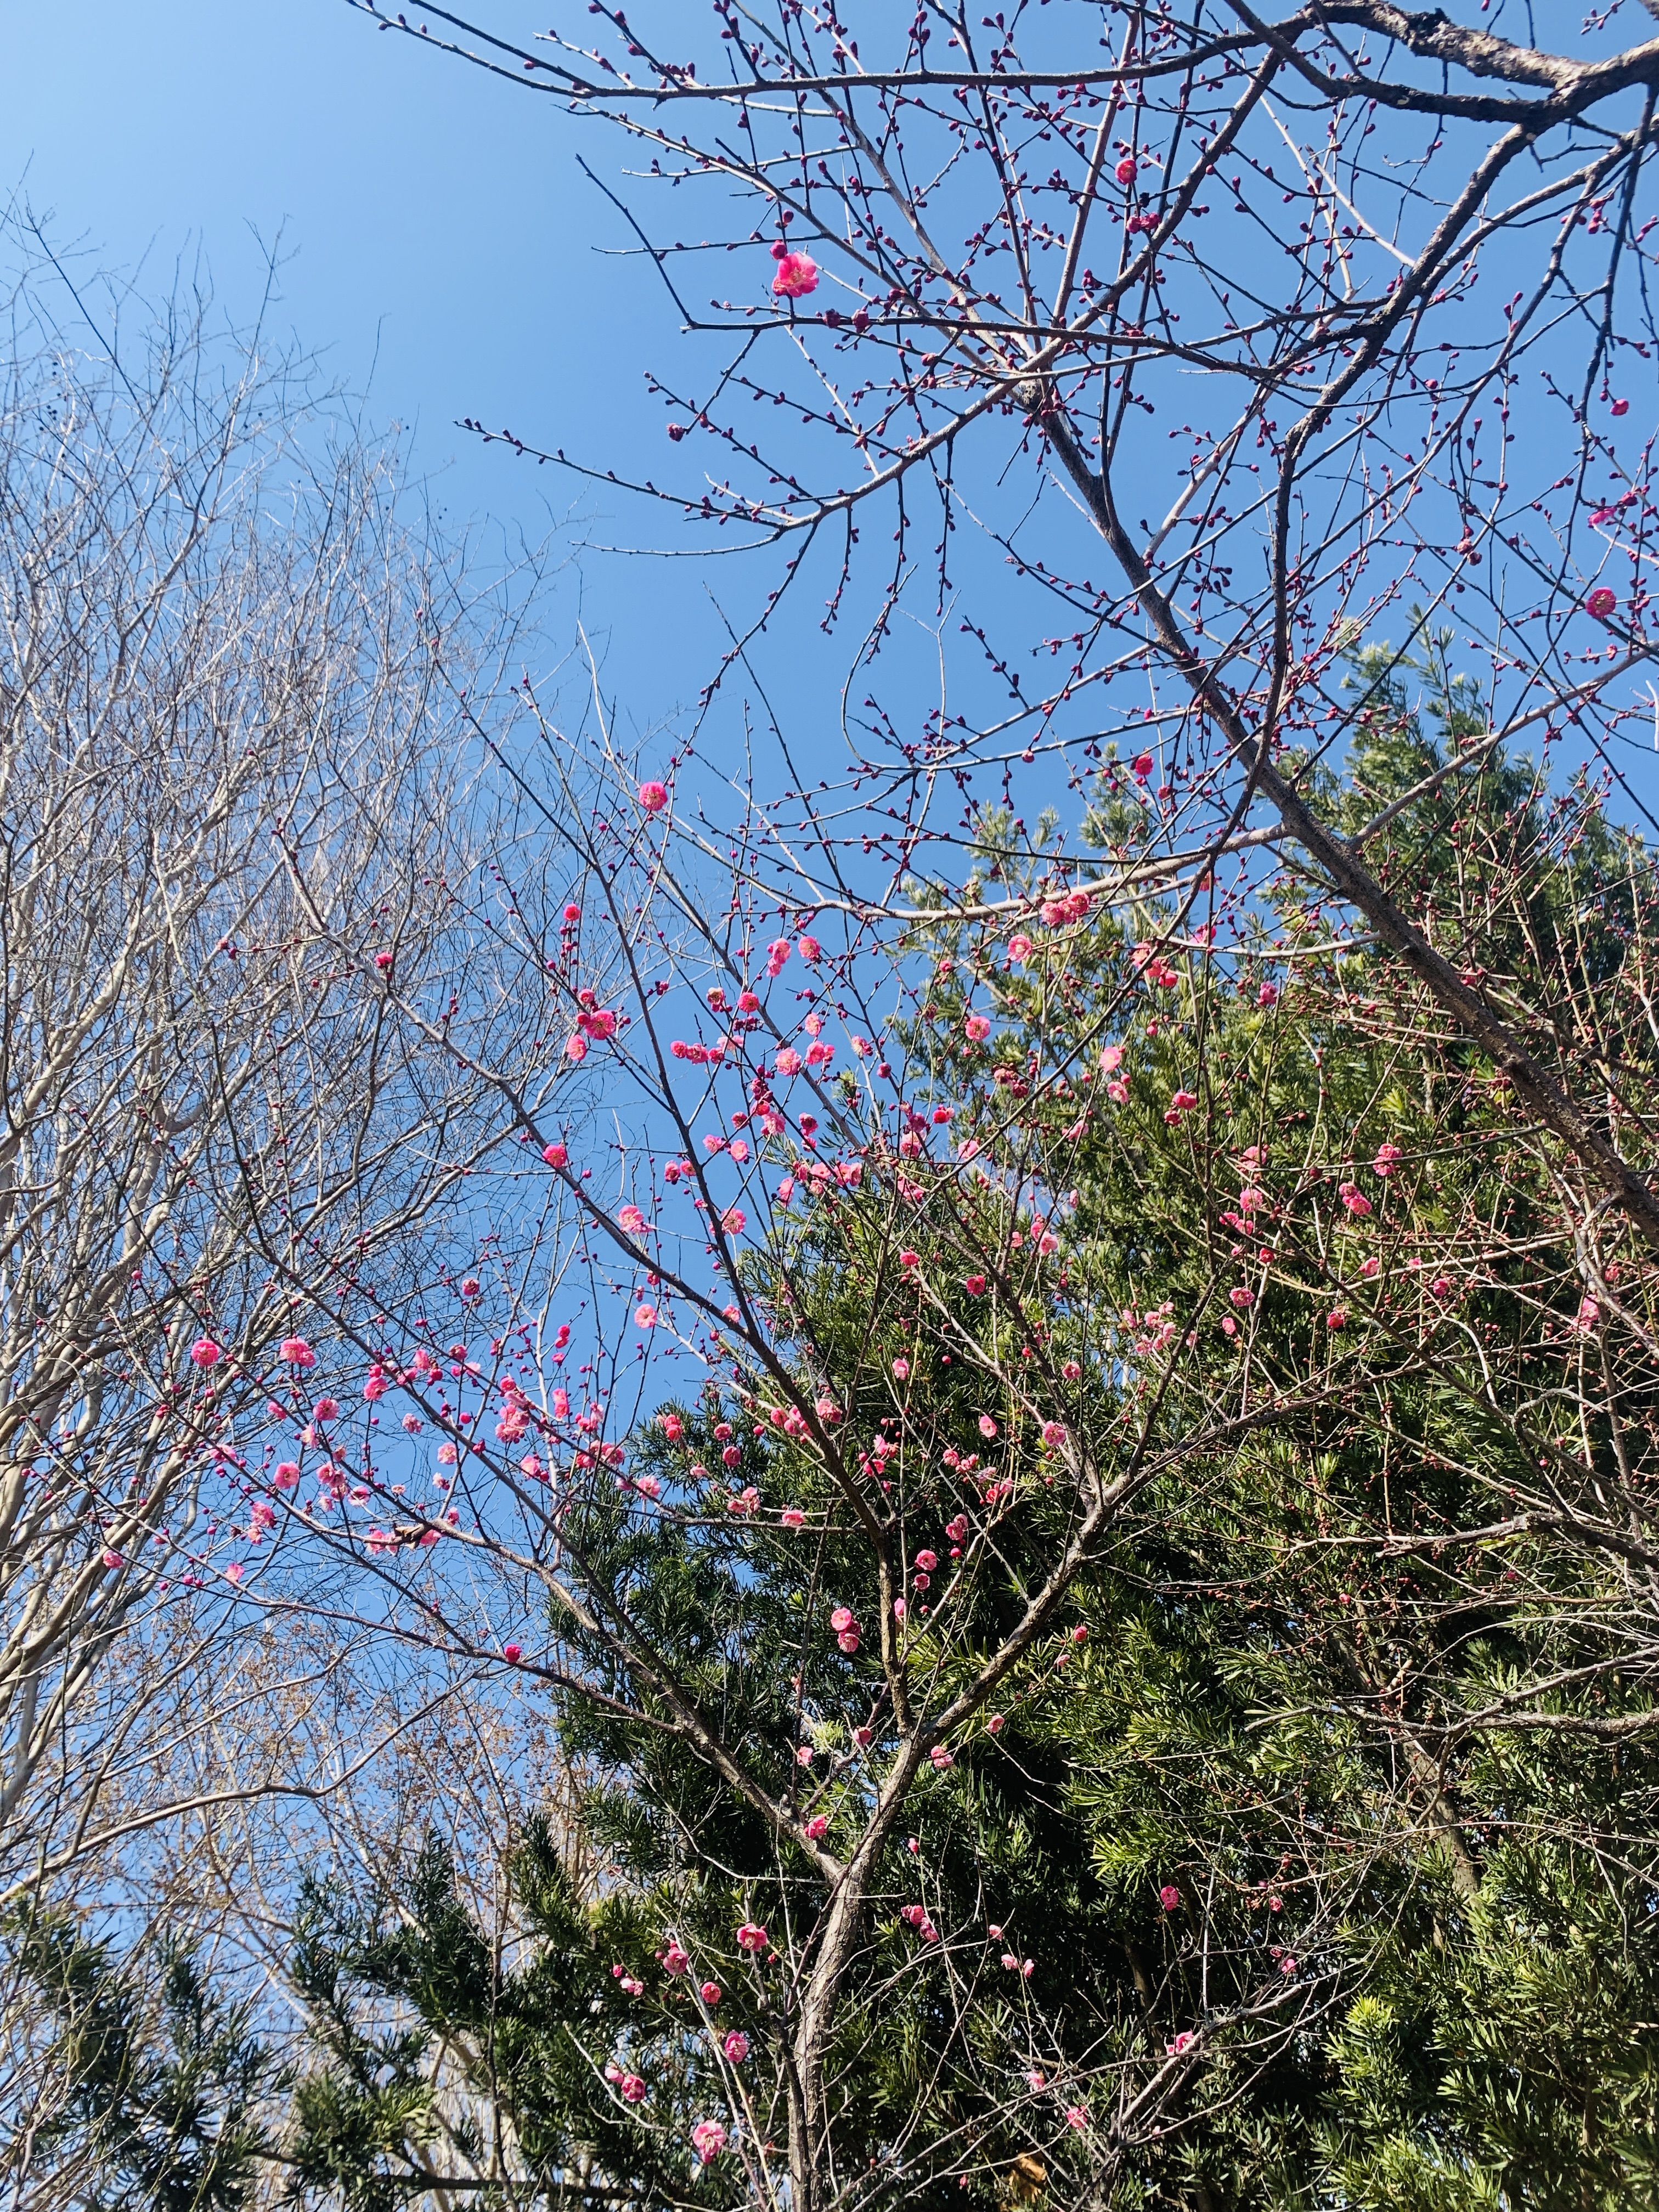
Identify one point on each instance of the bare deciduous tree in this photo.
(242, 792)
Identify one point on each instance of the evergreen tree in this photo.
(160, 2085)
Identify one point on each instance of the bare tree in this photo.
(245, 801)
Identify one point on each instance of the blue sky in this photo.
(439, 244)
(445, 256)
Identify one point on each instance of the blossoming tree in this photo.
(1121, 1535)
(1167, 1215)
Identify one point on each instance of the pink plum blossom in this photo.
(709, 2139)
(796, 274)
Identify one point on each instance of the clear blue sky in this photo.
(439, 242)
(443, 255)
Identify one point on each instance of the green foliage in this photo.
(1507, 2060)
(158, 2084)
(438, 2053)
